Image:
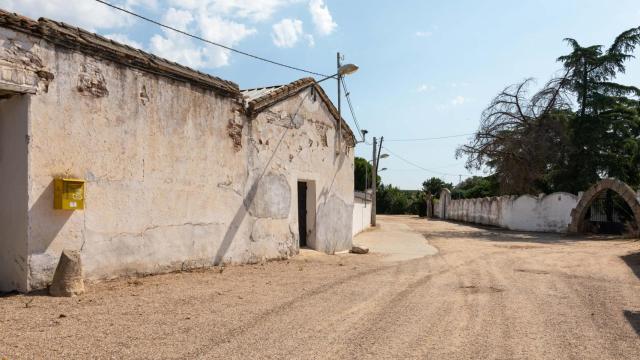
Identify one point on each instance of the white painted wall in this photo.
(545, 213)
(177, 175)
(361, 215)
(13, 193)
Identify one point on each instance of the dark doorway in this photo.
(302, 213)
(609, 213)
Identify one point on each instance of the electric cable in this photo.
(209, 41)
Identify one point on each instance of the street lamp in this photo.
(343, 70)
(347, 69)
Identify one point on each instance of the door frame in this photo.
(311, 203)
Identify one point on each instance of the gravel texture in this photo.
(486, 294)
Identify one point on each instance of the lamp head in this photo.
(347, 69)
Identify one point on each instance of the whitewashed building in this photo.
(180, 169)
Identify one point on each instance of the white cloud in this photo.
(89, 15)
(423, 33)
(124, 39)
(179, 48)
(148, 4)
(223, 31)
(425, 87)
(227, 22)
(311, 42)
(179, 19)
(255, 10)
(458, 100)
(321, 17)
(287, 32)
(458, 85)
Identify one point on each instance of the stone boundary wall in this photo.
(545, 213)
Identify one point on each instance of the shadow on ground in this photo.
(492, 233)
(633, 262)
(633, 317)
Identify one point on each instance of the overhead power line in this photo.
(421, 167)
(432, 138)
(209, 41)
(353, 113)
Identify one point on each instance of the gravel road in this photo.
(487, 294)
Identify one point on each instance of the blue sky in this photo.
(428, 68)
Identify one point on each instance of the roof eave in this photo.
(74, 38)
(257, 105)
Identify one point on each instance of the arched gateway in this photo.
(625, 191)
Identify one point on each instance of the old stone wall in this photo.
(545, 213)
(176, 175)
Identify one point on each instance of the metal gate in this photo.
(610, 214)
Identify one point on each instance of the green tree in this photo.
(521, 136)
(392, 200)
(434, 185)
(418, 203)
(545, 142)
(605, 128)
(476, 187)
(362, 174)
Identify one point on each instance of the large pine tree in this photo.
(577, 129)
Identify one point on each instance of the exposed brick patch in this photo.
(235, 133)
(276, 94)
(21, 67)
(91, 81)
(321, 129)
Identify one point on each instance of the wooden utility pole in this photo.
(377, 150)
(374, 185)
(339, 149)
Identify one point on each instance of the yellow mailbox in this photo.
(68, 194)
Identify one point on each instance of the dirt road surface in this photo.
(486, 294)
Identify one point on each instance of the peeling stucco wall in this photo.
(21, 67)
(289, 143)
(176, 175)
(163, 178)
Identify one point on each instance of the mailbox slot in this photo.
(68, 194)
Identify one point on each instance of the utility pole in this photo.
(374, 177)
(374, 185)
(366, 168)
(339, 149)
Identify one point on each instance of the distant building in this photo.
(181, 169)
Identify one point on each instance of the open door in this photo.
(302, 213)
